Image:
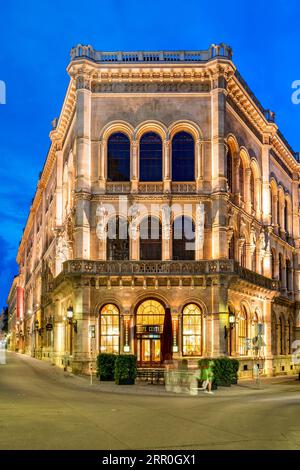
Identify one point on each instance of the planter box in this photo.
(106, 378)
(125, 381)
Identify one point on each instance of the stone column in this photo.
(102, 164)
(134, 167)
(219, 177)
(81, 343)
(267, 350)
(83, 167)
(199, 165)
(166, 166)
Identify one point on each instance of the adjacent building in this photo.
(169, 200)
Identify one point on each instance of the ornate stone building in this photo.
(138, 133)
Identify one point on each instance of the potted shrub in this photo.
(106, 367)
(125, 369)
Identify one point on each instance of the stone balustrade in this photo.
(167, 268)
(214, 51)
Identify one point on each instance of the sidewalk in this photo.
(245, 387)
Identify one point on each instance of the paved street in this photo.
(42, 407)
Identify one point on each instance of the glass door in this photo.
(148, 351)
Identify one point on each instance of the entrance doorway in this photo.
(148, 351)
(150, 317)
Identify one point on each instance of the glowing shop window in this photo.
(150, 312)
(242, 333)
(191, 330)
(109, 329)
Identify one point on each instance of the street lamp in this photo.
(228, 331)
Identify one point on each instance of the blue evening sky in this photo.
(36, 37)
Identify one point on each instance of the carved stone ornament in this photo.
(153, 87)
(62, 248)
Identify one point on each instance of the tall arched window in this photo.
(280, 336)
(191, 330)
(242, 332)
(110, 329)
(118, 157)
(183, 157)
(289, 336)
(252, 189)
(150, 239)
(229, 171)
(241, 179)
(150, 157)
(280, 265)
(288, 275)
(274, 344)
(183, 243)
(286, 216)
(254, 260)
(273, 263)
(243, 255)
(117, 244)
(231, 250)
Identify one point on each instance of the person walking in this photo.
(207, 377)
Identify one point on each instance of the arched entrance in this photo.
(150, 316)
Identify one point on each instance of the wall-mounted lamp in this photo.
(70, 314)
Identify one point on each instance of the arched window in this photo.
(117, 244)
(183, 239)
(280, 336)
(286, 216)
(241, 179)
(229, 171)
(150, 239)
(274, 344)
(150, 157)
(252, 189)
(254, 326)
(110, 329)
(118, 157)
(280, 266)
(232, 247)
(191, 330)
(273, 263)
(288, 275)
(243, 255)
(150, 312)
(289, 336)
(183, 157)
(242, 332)
(254, 260)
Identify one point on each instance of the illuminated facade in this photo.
(141, 132)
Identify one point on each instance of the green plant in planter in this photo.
(235, 369)
(106, 367)
(125, 369)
